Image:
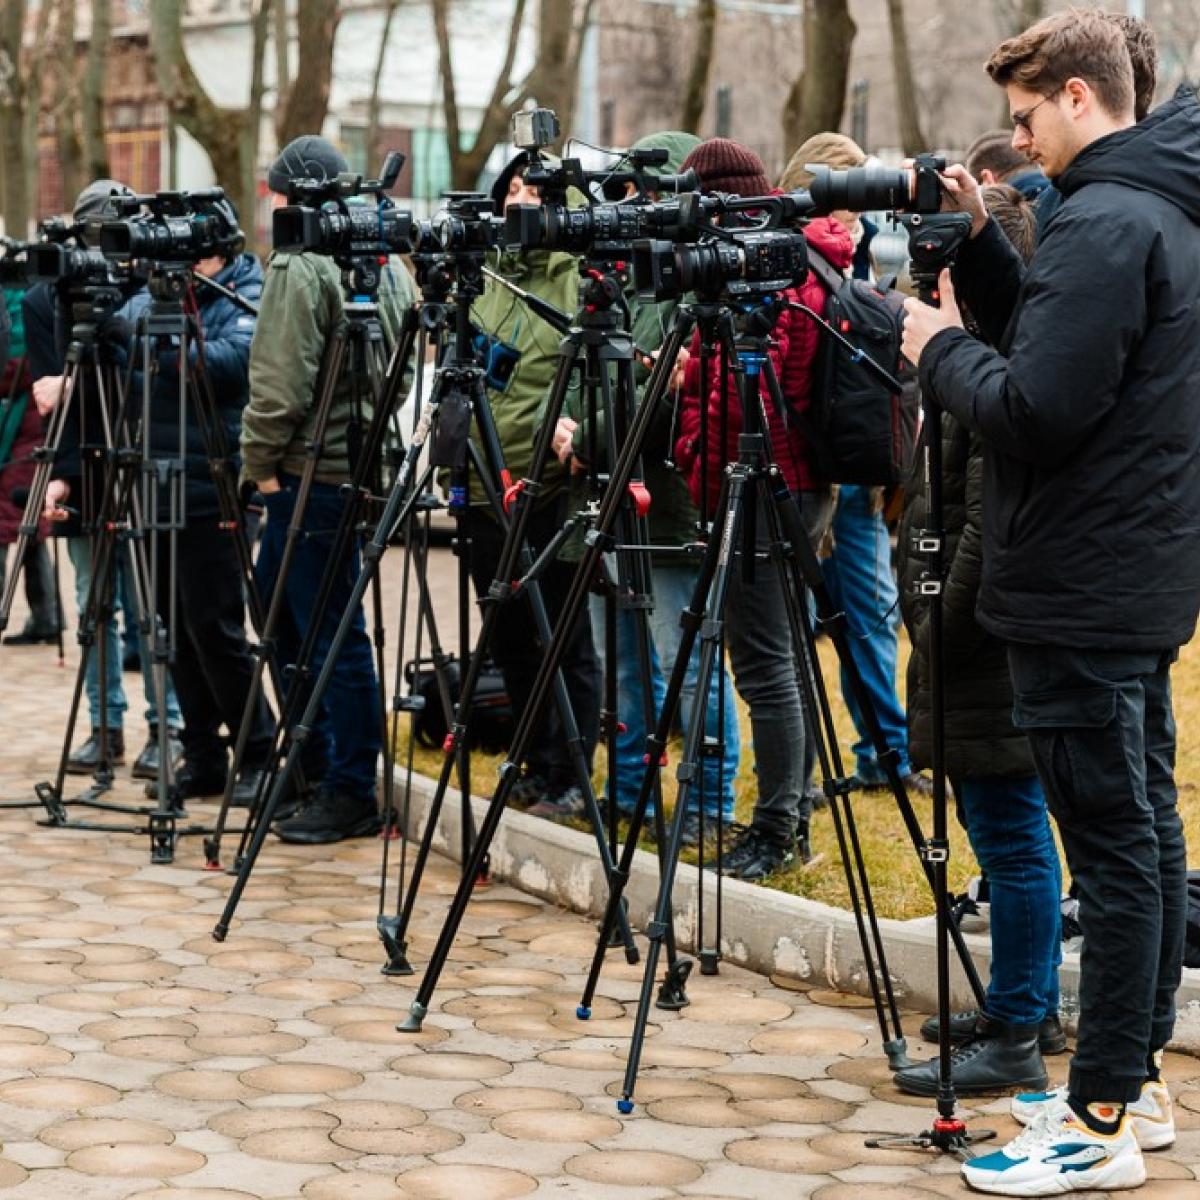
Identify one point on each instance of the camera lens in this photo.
(860, 189)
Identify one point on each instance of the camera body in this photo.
(172, 227)
(746, 263)
(468, 224)
(320, 217)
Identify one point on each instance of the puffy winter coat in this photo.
(795, 342)
(981, 739)
(1090, 412)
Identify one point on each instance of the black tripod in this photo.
(356, 360)
(461, 396)
(933, 242)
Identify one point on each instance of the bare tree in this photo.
(14, 96)
(466, 163)
(695, 91)
(554, 80)
(228, 135)
(911, 137)
(91, 103)
(304, 108)
(63, 82)
(373, 105)
(818, 97)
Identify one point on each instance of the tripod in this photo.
(933, 242)
(461, 394)
(355, 360)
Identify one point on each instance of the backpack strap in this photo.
(826, 273)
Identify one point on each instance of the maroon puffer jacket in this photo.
(17, 472)
(794, 349)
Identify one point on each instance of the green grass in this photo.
(892, 865)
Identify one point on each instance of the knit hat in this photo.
(725, 166)
(677, 144)
(305, 157)
(96, 199)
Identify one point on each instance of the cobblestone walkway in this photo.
(140, 1058)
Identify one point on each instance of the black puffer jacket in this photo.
(1090, 413)
(228, 330)
(980, 737)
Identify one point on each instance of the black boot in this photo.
(332, 816)
(87, 758)
(1052, 1038)
(146, 764)
(999, 1059)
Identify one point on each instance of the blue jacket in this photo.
(228, 330)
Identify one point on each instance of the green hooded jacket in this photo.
(673, 516)
(302, 308)
(502, 318)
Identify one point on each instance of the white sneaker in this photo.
(1151, 1114)
(1058, 1153)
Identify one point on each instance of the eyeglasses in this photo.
(1022, 120)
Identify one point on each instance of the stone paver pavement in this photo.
(140, 1058)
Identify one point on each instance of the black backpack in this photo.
(490, 721)
(859, 429)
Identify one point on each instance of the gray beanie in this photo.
(305, 157)
(96, 199)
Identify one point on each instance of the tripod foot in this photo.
(897, 1054)
(947, 1134)
(625, 1107)
(710, 962)
(56, 812)
(161, 827)
(396, 948)
(416, 1014)
(583, 1012)
(220, 933)
(672, 995)
(212, 854)
(235, 868)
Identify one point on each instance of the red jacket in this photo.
(794, 348)
(17, 472)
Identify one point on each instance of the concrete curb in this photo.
(765, 930)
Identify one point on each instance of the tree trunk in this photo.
(70, 149)
(466, 164)
(218, 130)
(373, 104)
(818, 97)
(911, 137)
(247, 197)
(14, 196)
(695, 92)
(92, 99)
(316, 29)
(283, 73)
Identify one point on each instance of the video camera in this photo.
(467, 224)
(595, 230)
(320, 217)
(172, 227)
(62, 256)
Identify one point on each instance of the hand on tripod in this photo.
(923, 321)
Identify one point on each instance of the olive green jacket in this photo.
(500, 316)
(302, 308)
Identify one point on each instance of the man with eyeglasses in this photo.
(1087, 411)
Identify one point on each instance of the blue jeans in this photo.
(80, 551)
(673, 584)
(345, 741)
(859, 576)
(1010, 834)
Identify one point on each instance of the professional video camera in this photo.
(595, 229)
(467, 224)
(171, 227)
(322, 218)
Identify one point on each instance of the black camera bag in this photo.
(859, 430)
(490, 721)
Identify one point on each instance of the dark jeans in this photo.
(213, 666)
(765, 664)
(1103, 738)
(346, 737)
(1010, 835)
(518, 653)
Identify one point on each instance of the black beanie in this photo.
(725, 166)
(96, 199)
(305, 157)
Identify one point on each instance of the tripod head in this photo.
(934, 240)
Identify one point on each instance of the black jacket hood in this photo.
(1161, 154)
